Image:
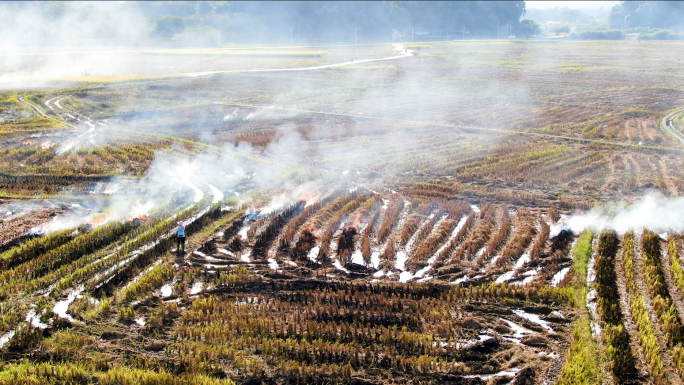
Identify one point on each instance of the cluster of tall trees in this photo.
(373, 20)
(654, 14)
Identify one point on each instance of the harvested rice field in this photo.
(466, 212)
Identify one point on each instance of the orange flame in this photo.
(309, 195)
(45, 145)
(142, 217)
(101, 219)
(357, 220)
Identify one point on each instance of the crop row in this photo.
(82, 374)
(390, 218)
(53, 259)
(148, 282)
(522, 236)
(441, 234)
(268, 235)
(449, 248)
(616, 337)
(160, 247)
(495, 242)
(486, 224)
(33, 248)
(89, 265)
(640, 315)
(540, 240)
(334, 223)
(662, 302)
(675, 265)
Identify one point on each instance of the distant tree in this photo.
(167, 26)
(559, 29)
(529, 28)
(643, 13)
(56, 9)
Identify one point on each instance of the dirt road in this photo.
(398, 47)
(43, 114)
(667, 125)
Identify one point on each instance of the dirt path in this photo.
(667, 125)
(666, 353)
(43, 114)
(628, 321)
(398, 47)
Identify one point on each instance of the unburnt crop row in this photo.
(123, 272)
(33, 248)
(108, 244)
(92, 266)
(540, 240)
(665, 309)
(27, 272)
(644, 326)
(615, 336)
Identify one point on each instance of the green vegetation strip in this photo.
(148, 236)
(149, 282)
(582, 360)
(582, 254)
(12, 281)
(68, 373)
(581, 365)
(33, 248)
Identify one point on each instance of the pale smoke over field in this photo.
(654, 211)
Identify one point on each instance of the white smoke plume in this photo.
(654, 211)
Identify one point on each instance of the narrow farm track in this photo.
(408, 53)
(666, 124)
(43, 114)
(628, 321)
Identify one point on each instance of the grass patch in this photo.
(514, 64)
(582, 364)
(582, 252)
(569, 68)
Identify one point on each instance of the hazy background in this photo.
(213, 23)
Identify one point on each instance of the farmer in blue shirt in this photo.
(180, 238)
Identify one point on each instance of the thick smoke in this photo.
(654, 211)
